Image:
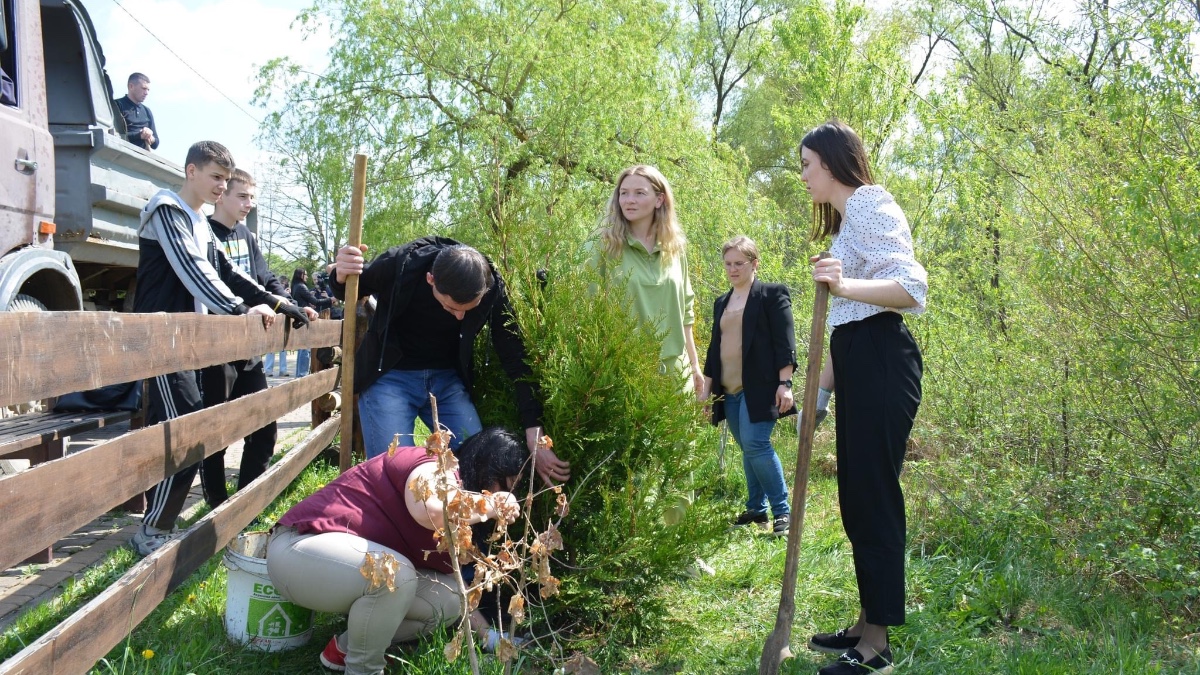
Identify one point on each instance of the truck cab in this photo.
(71, 187)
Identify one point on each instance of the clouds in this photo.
(225, 41)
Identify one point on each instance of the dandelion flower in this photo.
(148, 654)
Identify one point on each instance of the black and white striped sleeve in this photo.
(173, 230)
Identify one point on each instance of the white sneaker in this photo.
(145, 542)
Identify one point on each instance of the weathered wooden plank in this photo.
(48, 354)
(18, 433)
(36, 512)
(75, 645)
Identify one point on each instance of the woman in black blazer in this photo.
(748, 374)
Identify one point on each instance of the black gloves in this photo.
(297, 315)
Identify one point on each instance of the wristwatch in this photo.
(785, 383)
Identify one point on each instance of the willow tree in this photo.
(503, 125)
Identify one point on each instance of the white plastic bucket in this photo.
(255, 614)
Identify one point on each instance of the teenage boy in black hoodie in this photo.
(182, 269)
(433, 297)
(235, 379)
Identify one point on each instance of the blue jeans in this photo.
(764, 473)
(392, 404)
(269, 362)
(302, 358)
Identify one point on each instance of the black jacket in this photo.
(306, 298)
(392, 277)
(242, 250)
(137, 117)
(179, 267)
(768, 344)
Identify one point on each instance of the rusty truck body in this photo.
(71, 186)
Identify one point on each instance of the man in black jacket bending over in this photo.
(433, 296)
(235, 379)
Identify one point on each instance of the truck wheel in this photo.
(25, 303)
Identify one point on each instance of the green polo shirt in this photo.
(660, 294)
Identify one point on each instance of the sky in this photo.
(225, 41)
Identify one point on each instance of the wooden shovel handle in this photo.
(350, 320)
(776, 647)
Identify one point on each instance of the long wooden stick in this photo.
(776, 648)
(349, 321)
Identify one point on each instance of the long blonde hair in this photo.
(615, 228)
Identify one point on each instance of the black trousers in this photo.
(877, 380)
(223, 383)
(170, 396)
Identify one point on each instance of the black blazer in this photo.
(768, 344)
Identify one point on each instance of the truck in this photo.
(71, 186)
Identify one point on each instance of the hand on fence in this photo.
(265, 311)
(296, 314)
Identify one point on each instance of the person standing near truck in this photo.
(139, 121)
(181, 268)
(235, 379)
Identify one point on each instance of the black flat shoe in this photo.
(750, 518)
(833, 643)
(851, 663)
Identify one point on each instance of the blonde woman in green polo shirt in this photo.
(641, 240)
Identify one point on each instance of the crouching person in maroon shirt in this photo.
(318, 549)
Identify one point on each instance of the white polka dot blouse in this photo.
(875, 243)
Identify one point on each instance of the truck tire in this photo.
(25, 303)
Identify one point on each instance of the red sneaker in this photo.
(332, 657)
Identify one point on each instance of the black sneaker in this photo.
(833, 643)
(780, 527)
(851, 663)
(751, 518)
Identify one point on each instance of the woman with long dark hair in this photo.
(875, 370)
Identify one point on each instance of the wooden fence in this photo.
(54, 353)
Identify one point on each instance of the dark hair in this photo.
(204, 152)
(137, 77)
(841, 151)
(299, 275)
(462, 273)
(488, 458)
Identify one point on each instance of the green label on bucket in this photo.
(277, 619)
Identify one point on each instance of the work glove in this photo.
(823, 397)
(295, 313)
(821, 415)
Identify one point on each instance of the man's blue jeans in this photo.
(269, 363)
(764, 473)
(392, 404)
(302, 358)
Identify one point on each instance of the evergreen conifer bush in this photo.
(631, 437)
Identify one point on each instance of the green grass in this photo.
(987, 593)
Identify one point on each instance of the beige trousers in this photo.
(323, 572)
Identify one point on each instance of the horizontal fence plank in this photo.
(36, 514)
(75, 645)
(48, 354)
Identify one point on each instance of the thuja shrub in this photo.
(636, 516)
